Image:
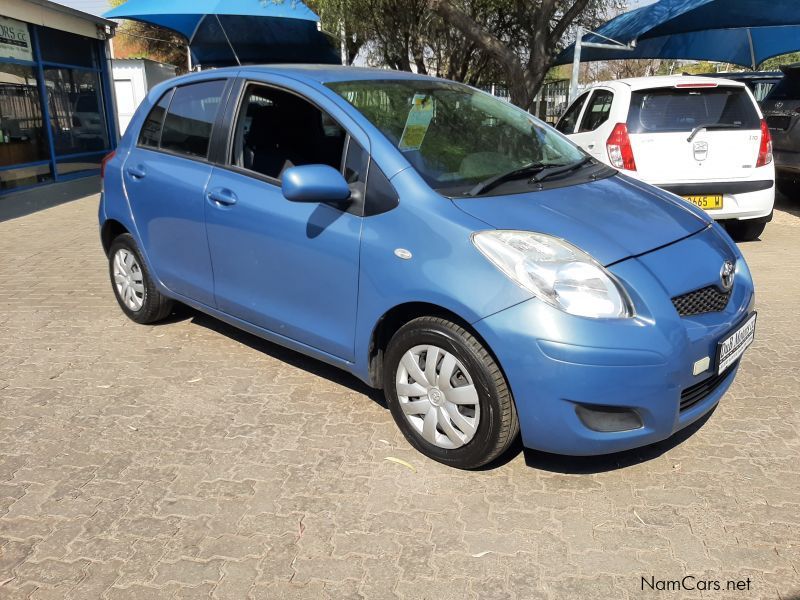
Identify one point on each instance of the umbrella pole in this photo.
(225, 33)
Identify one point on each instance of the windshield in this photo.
(453, 135)
(684, 109)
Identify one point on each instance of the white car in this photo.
(702, 138)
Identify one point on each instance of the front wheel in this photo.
(133, 286)
(447, 394)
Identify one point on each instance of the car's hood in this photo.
(611, 219)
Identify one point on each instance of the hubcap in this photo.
(128, 279)
(438, 396)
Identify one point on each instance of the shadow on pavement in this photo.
(300, 361)
(584, 465)
(26, 202)
(538, 460)
(787, 204)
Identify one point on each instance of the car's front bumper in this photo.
(555, 362)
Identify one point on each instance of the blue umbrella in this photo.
(742, 32)
(225, 32)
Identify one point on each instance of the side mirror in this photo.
(315, 183)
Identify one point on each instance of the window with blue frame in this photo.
(22, 136)
(54, 120)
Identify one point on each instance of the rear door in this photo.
(594, 126)
(165, 178)
(661, 122)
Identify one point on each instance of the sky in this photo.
(95, 7)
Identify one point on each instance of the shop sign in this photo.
(15, 39)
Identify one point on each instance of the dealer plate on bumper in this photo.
(732, 347)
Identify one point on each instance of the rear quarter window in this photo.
(683, 109)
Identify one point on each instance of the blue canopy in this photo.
(229, 32)
(742, 32)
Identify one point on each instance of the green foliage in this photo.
(773, 64)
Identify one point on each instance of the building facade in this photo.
(57, 117)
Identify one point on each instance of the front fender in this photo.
(444, 268)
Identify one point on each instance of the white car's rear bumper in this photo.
(740, 200)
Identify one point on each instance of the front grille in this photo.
(781, 122)
(700, 391)
(707, 300)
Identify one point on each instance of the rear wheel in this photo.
(447, 394)
(746, 231)
(133, 286)
(789, 188)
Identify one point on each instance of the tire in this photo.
(142, 302)
(746, 231)
(789, 188)
(490, 405)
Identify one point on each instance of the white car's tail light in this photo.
(620, 151)
(765, 149)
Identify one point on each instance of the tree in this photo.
(481, 42)
(141, 40)
(538, 32)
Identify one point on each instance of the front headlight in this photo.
(556, 272)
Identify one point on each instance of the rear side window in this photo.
(150, 135)
(567, 123)
(683, 109)
(597, 111)
(190, 118)
(787, 89)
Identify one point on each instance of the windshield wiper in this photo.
(495, 180)
(560, 169)
(700, 128)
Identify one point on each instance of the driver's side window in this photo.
(278, 130)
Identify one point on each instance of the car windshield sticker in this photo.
(418, 122)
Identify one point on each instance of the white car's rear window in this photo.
(684, 109)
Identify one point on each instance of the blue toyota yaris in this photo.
(437, 243)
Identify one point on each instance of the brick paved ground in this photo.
(188, 460)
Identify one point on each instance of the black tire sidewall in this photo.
(479, 450)
(747, 231)
(151, 300)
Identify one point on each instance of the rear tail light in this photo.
(620, 151)
(103, 164)
(765, 149)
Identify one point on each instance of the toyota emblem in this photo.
(726, 275)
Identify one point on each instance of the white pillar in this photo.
(576, 65)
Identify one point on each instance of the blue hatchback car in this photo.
(437, 243)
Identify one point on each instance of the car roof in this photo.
(666, 81)
(320, 73)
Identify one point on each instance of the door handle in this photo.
(223, 197)
(591, 146)
(137, 172)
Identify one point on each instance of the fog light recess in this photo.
(608, 419)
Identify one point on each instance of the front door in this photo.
(165, 176)
(291, 268)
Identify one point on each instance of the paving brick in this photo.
(190, 460)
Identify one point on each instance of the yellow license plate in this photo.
(706, 202)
